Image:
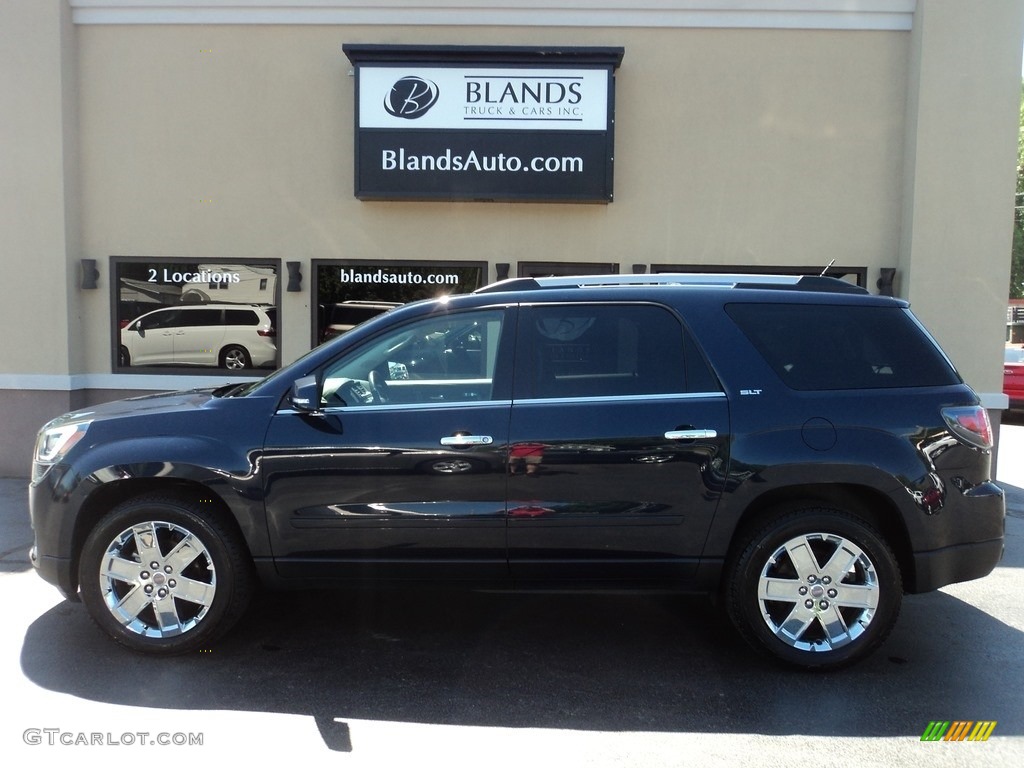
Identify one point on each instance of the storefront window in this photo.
(197, 315)
(349, 292)
(565, 268)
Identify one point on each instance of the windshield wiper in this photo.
(231, 390)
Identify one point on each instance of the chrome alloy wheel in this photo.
(157, 579)
(235, 359)
(818, 592)
(452, 466)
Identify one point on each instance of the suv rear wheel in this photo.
(159, 576)
(235, 358)
(815, 588)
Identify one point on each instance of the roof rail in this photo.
(709, 279)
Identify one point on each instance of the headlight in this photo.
(53, 443)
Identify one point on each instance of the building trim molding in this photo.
(892, 15)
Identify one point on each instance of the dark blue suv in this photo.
(795, 447)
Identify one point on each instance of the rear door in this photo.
(198, 339)
(619, 445)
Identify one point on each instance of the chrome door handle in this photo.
(465, 441)
(691, 434)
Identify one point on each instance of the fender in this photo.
(227, 467)
(769, 467)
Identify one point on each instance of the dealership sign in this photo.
(458, 123)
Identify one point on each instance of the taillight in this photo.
(269, 333)
(970, 423)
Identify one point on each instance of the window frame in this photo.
(128, 277)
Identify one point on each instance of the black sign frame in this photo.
(485, 158)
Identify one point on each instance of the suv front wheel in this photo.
(815, 588)
(159, 575)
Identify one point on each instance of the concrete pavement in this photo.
(1010, 466)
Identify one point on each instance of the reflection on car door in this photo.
(619, 439)
(402, 474)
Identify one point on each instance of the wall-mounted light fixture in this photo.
(90, 274)
(886, 280)
(294, 276)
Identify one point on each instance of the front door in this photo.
(402, 473)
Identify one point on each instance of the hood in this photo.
(163, 402)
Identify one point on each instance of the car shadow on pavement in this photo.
(586, 662)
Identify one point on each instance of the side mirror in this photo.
(305, 395)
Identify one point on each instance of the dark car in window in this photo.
(798, 449)
(341, 317)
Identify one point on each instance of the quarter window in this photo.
(835, 346)
(240, 317)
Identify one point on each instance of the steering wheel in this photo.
(351, 393)
(378, 386)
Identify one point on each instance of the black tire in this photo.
(836, 586)
(235, 358)
(124, 359)
(199, 587)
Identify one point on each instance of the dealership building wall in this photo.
(774, 135)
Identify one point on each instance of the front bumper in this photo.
(56, 571)
(53, 531)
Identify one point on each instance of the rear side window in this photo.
(195, 318)
(240, 317)
(610, 350)
(818, 347)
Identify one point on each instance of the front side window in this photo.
(170, 318)
(436, 360)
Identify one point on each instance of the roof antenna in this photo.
(826, 269)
